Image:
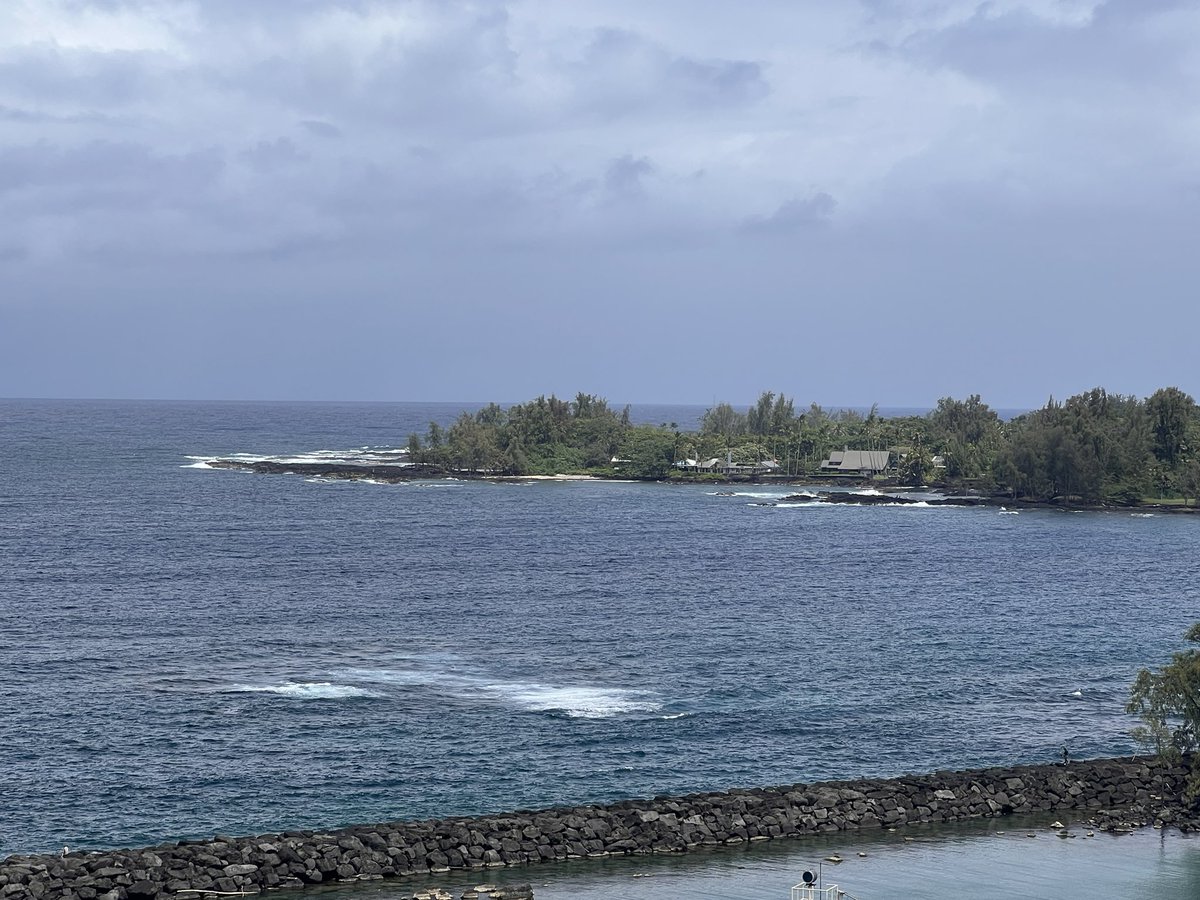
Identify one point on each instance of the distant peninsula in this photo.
(1093, 450)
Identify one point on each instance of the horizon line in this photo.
(504, 403)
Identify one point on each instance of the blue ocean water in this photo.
(186, 651)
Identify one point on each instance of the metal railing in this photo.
(812, 892)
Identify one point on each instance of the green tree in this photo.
(783, 415)
(749, 453)
(917, 466)
(1171, 411)
(472, 445)
(514, 459)
(492, 416)
(1056, 452)
(1189, 481)
(650, 452)
(1168, 702)
(967, 433)
(771, 415)
(758, 417)
(723, 420)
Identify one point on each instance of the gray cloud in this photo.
(268, 156)
(413, 158)
(41, 117)
(623, 177)
(796, 214)
(74, 78)
(621, 74)
(320, 128)
(1115, 48)
(120, 169)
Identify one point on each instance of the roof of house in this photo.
(698, 463)
(857, 460)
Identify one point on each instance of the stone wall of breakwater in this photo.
(662, 825)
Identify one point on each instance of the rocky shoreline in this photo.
(889, 495)
(383, 472)
(1111, 794)
(900, 497)
(878, 498)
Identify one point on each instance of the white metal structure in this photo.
(812, 892)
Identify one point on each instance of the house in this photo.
(766, 467)
(727, 466)
(698, 465)
(856, 462)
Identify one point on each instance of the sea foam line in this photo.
(307, 690)
(574, 701)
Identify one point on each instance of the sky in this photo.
(681, 201)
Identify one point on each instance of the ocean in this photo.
(187, 651)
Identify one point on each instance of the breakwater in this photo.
(226, 865)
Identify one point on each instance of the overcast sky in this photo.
(660, 200)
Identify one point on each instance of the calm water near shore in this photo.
(187, 651)
(998, 860)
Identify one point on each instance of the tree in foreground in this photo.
(1168, 702)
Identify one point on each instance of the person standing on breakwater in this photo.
(1066, 756)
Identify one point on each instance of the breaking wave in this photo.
(362, 456)
(573, 701)
(307, 690)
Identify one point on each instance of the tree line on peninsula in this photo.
(1093, 447)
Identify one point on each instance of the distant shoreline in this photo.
(813, 490)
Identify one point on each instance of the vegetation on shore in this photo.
(1168, 702)
(1095, 447)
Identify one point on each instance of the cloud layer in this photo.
(978, 171)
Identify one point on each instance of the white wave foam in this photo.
(577, 702)
(828, 505)
(671, 716)
(307, 690)
(199, 464)
(1141, 515)
(573, 701)
(365, 456)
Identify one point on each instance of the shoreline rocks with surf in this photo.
(392, 473)
(1113, 794)
(877, 498)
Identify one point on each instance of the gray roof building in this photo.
(861, 462)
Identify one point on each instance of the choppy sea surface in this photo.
(186, 651)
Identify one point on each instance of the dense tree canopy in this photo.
(1101, 446)
(1093, 447)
